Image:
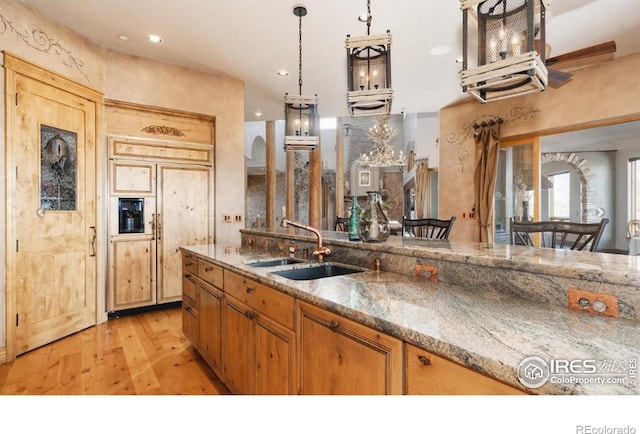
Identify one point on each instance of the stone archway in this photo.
(581, 165)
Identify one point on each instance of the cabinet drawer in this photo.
(428, 374)
(189, 290)
(190, 322)
(189, 263)
(270, 302)
(210, 273)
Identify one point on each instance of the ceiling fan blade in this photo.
(557, 78)
(582, 54)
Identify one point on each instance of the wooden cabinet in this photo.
(238, 343)
(429, 374)
(190, 325)
(163, 157)
(339, 356)
(258, 339)
(210, 301)
(133, 271)
(144, 268)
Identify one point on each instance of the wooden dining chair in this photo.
(342, 224)
(430, 228)
(558, 234)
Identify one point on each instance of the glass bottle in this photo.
(354, 219)
(374, 224)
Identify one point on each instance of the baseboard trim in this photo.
(136, 310)
(3, 356)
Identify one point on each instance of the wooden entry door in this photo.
(51, 252)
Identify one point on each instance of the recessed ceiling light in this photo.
(258, 114)
(283, 73)
(440, 50)
(154, 39)
(123, 37)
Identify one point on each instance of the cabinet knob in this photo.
(333, 325)
(424, 360)
(250, 289)
(207, 269)
(249, 314)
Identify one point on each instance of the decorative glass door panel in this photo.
(517, 185)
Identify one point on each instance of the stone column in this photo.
(271, 175)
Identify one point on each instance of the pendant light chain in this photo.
(369, 17)
(300, 54)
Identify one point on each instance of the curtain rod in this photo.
(492, 122)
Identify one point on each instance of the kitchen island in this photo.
(484, 307)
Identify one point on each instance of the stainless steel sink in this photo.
(316, 272)
(275, 262)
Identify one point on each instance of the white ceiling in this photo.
(252, 39)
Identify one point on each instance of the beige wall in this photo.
(34, 37)
(133, 79)
(603, 92)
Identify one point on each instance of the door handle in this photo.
(153, 226)
(93, 241)
(159, 227)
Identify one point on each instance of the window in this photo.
(560, 196)
(328, 123)
(634, 189)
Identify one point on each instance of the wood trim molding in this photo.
(24, 67)
(157, 110)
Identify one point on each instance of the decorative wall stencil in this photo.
(163, 130)
(58, 181)
(40, 41)
(459, 139)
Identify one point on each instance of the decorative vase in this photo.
(354, 220)
(374, 224)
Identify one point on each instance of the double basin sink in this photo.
(316, 271)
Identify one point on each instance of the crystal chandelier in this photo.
(382, 154)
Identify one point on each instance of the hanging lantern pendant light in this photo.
(300, 111)
(369, 72)
(507, 61)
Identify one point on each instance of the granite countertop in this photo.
(602, 267)
(484, 330)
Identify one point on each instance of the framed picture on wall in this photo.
(364, 178)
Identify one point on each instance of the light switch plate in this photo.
(237, 218)
(226, 218)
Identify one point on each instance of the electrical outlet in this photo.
(593, 302)
(237, 218)
(226, 218)
(427, 272)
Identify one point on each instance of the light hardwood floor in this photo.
(139, 354)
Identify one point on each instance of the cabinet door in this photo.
(183, 218)
(210, 318)
(275, 358)
(342, 357)
(131, 272)
(428, 374)
(238, 347)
